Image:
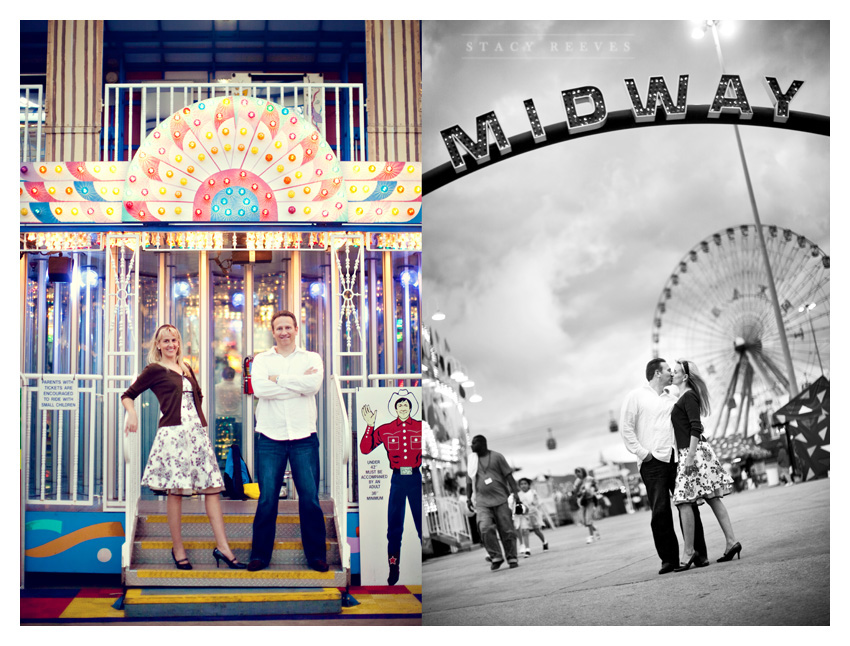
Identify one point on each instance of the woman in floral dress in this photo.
(181, 460)
(699, 476)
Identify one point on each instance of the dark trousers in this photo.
(496, 523)
(403, 490)
(660, 480)
(303, 456)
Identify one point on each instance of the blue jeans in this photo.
(303, 456)
(403, 489)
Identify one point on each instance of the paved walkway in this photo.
(782, 578)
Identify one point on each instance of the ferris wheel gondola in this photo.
(715, 310)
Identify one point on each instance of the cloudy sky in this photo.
(549, 265)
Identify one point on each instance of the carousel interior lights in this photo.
(317, 290)
(90, 276)
(397, 242)
(60, 241)
(181, 289)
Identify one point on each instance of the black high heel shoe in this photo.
(728, 556)
(233, 565)
(688, 565)
(182, 564)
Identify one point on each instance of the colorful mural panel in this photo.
(74, 542)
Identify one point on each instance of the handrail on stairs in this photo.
(340, 456)
(131, 444)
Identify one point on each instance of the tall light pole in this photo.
(777, 311)
(807, 308)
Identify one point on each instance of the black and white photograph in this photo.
(626, 323)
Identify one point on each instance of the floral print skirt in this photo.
(709, 481)
(182, 460)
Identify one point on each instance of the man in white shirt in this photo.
(286, 379)
(647, 431)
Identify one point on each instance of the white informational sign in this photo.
(58, 392)
(389, 433)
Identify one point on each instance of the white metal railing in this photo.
(445, 518)
(132, 110)
(65, 462)
(340, 456)
(32, 121)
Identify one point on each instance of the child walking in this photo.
(529, 520)
(586, 493)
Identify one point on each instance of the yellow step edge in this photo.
(209, 545)
(137, 597)
(234, 574)
(202, 518)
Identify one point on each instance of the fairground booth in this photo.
(207, 174)
(448, 525)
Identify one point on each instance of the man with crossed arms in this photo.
(286, 379)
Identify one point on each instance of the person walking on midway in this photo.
(647, 432)
(586, 493)
(699, 477)
(490, 482)
(529, 520)
(286, 379)
(181, 460)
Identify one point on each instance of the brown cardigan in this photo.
(167, 385)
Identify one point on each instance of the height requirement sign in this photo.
(389, 428)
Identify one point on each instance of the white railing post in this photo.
(340, 456)
(132, 465)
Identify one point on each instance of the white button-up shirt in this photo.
(287, 407)
(645, 424)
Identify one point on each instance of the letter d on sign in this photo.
(585, 95)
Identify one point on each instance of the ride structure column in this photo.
(394, 85)
(74, 89)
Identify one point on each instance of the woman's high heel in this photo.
(687, 565)
(728, 556)
(233, 565)
(182, 564)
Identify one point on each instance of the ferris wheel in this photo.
(715, 310)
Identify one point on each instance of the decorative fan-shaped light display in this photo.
(237, 160)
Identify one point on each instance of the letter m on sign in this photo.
(480, 149)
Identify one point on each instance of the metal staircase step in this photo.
(207, 575)
(195, 505)
(237, 526)
(150, 552)
(227, 602)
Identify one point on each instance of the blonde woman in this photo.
(700, 478)
(181, 460)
